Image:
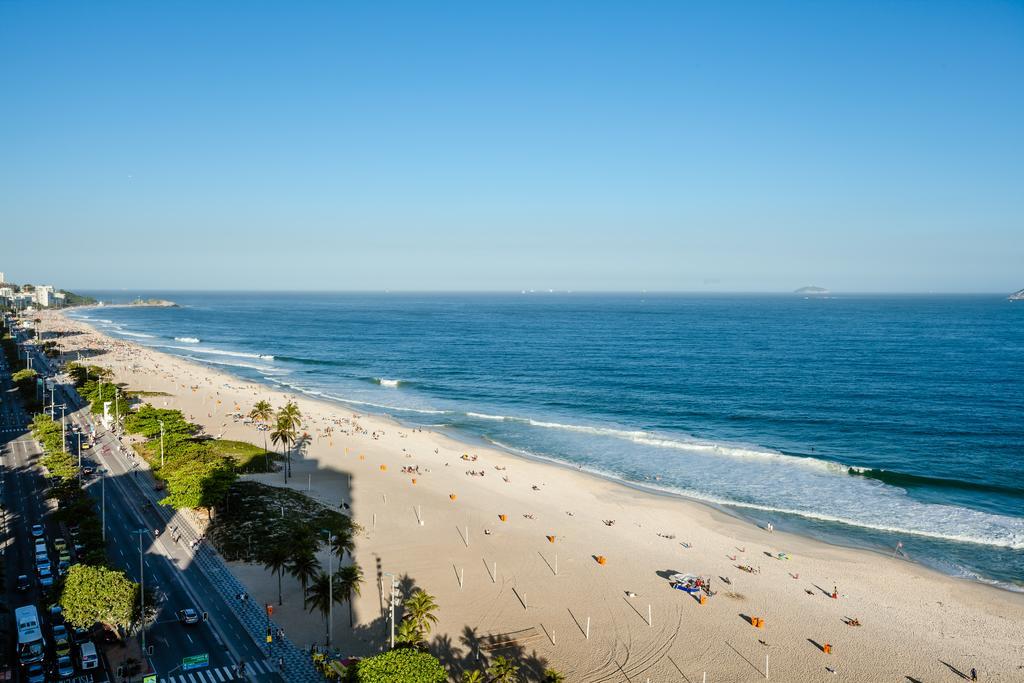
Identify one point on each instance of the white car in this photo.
(37, 531)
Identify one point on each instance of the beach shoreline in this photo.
(633, 557)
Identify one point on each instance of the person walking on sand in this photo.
(974, 674)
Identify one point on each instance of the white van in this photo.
(87, 658)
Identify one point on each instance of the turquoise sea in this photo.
(862, 420)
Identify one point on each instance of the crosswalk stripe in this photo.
(255, 664)
(191, 679)
(220, 675)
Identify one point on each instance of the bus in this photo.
(31, 646)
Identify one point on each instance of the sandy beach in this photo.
(536, 572)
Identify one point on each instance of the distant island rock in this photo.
(811, 290)
(158, 303)
(1017, 296)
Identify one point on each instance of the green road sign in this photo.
(195, 662)
(151, 678)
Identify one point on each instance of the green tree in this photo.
(503, 670)
(97, 594)
(341, 543)
(408, 633)
(276, 560)
(303, 564)
(407, 666)
(553, 676)
(318, 597)
(420, 608)
(349, 580)
(263, 412)
(284, 434)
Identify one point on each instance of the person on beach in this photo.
(974, 674)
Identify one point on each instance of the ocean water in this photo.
(860, 420)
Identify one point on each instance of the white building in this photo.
(44, 295)
(2, 280)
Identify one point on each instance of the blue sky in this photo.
(500, 146)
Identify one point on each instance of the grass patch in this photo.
(247, 457)
(144, 394)
(251, 523)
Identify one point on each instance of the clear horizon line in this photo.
(542, 291)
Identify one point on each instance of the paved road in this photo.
(170, 569)
(23, 487)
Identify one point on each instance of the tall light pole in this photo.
(103, 504)
(330, 585)
(394, 590)
(161, 443)
(142, 590)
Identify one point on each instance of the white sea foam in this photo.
(392, 383)
(136, 334)
(234, 364)
(220, 352)
(187, 340)
(916, 519)
(683, 444)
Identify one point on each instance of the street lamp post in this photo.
(103, 504)
(142, 590)
(330, 586)
(394, 590)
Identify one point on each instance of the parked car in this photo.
(56, 613)
(61, 641)
(42, 558)
(63, 567)
(65, 667)
(45, 576)
(34, 673)
(37, 531)
(64, 556)
(80, 636)
(23, 582)
(41, 546)
(60, 544)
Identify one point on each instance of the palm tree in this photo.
(341, 543)
(303, 565)
(472, 676)
(292, 414)
(276, 560)
(349, 579)
(420, 608)
(283, 434)
(262, 412)
(503, 670)
(289, 419)
(409, 634)
(553, 676)
(318, 597)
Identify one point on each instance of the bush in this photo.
(400, 666)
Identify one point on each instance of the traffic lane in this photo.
(161, 580)
(180, 557)
(218, 610)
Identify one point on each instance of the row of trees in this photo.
(91, 592)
